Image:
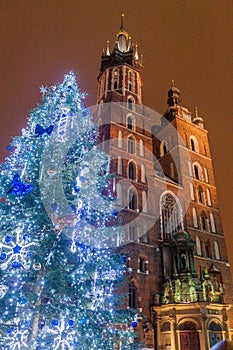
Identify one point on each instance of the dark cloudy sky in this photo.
(189, 41)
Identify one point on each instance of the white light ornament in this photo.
(14, 250)
(64, 334)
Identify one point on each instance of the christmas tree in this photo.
(57, 273)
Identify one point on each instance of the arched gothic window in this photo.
(216, 251)
(132, 199)
(198, 246)
(130, 103)
(132, 171)
(194, 144)
(171, 215)
(197, 170)
(131, 145)
(132, 295)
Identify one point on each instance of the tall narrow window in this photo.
(119, 165)
(131, 145)
(206, 175)
(216, 251)
(119, 193)
(132, 199)
(194, 144)
(145, 238)
(198, 246)
(130, 81)
(144, 202)
(190, 169)
(130, 122)
(141, 148)
(200, 195)
(143, 173)
(130, 103)
(203, 220)
(132, 171)
(197, 170)
(142, 265)
(132, 296)
(195, 223)
(172, 170)
(163, 148)
(207, 250)
(209, 202)
(120, 139)
(132, 233)
(192, 191)
(212, 223)
(115, 79)
(171, 216)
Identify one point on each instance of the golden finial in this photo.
(173, 83)
(107, 49)
(196, 112)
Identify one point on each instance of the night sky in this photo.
(188, 41)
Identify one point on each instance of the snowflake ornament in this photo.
(15, 251)
(63, 334)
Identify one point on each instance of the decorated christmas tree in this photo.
(57, 273)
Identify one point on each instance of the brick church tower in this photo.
(178, 274)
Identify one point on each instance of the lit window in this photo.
(115, 79)
(192, 191)
(209, 202)
(141, 148)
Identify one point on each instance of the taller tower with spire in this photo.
(120, 72)
(178, 272)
